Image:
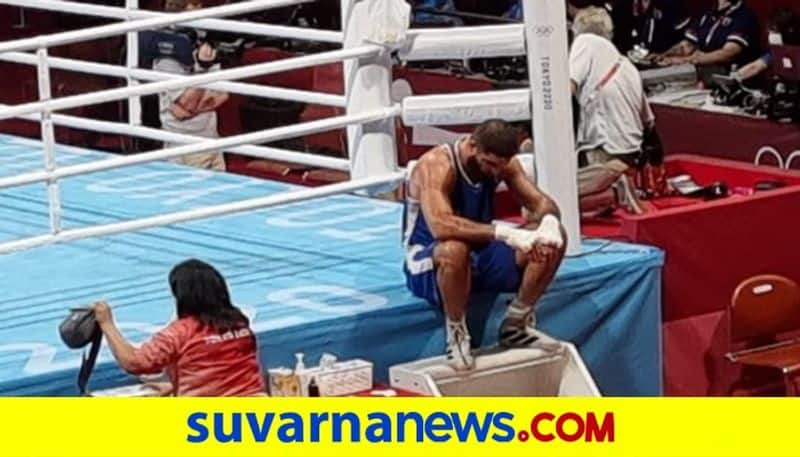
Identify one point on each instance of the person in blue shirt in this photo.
(431, 19)
(658, 25)
(784, 30)
(515, 11)
(725, 36)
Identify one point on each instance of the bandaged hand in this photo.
(549, 232)
(519, 239)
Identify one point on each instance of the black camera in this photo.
(784, 102)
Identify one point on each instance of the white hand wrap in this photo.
(520, 239)
(549, 232)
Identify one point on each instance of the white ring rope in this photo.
(223, 25)
(134, 107)
(255, 90)
(371, 144)
(48, 141)
(275, 134)
(103, 96)
(52, 174)
(263, 152)
(104, 31)
(203, 213)
(464, 43)
(471, 108)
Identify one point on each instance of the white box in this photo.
(511, 372)
(344, 378)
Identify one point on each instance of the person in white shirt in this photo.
(614, 114)
(192, 111)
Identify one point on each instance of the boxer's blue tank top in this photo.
(474, 201)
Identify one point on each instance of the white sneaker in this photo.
(459, 354)
(522, 333)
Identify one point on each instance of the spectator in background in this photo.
(431, 19)
(620, 13)
(209, 350)
(593, 20)
(614, 114)
(725, 36)
(576, 6)
(659, 24)
(192, 111)
(515, 11)
(783, 30)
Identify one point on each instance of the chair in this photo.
(764, 312)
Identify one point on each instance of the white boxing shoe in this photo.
(459, 352)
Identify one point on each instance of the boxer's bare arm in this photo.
(432, 183)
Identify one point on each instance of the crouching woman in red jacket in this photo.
(209, 350)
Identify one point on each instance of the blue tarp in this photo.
(317, 276)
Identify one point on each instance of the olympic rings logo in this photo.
(543, 30)
(773, 152)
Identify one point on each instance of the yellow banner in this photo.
(398, 427)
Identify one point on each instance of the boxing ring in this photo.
(315, 269)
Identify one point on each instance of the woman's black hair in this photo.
(200, 291)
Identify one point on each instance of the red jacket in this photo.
(201, 362)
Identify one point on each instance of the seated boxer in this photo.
(453, 249)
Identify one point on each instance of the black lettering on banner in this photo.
(547, 84)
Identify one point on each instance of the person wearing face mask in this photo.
(784, 30)
(724, 36)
